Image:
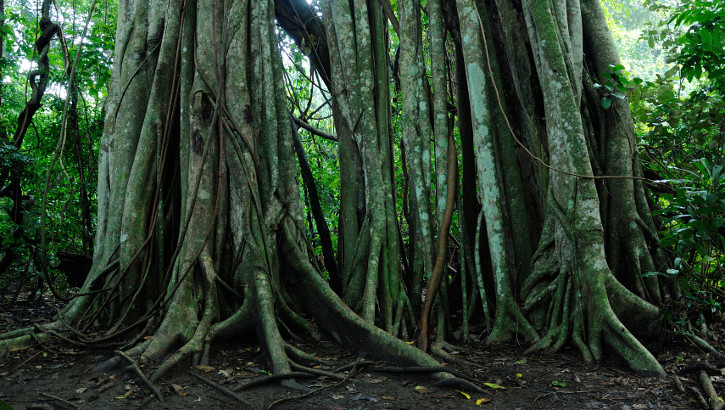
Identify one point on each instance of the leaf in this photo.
(204, 368)
(420, 389)
(606, 103)
(522, 361)
(558, 384)
(466, 395)
(179, 390)
(493, 385)
(482, 400)
(411, 342)
(519, 375)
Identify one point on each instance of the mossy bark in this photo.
(198, 112)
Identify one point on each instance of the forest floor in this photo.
(58, 376)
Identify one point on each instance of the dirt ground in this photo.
(58, 376)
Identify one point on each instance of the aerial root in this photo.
(715, 402)
(567, 323)
(442, 349)
(316, 372)
(704, 345)
(352, 373)
(300, 355)
(22, 342)
(114, 361)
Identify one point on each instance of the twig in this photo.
(679, 384)
(25, 361)
(358, 363)
(221, 388)
(140, 374)
(541, 396)
(424, 370)
(300, 122)
(64, 401)
(457, 382)
(264, 380)
(301, 396)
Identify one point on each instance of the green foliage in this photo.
(701, 48)
(32, 162)
(682, 133)
(695, 222)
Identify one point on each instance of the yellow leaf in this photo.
(179, 390)
(481, 401)
(493, 386)
(519, 375)
(466, 395)
(411, 342)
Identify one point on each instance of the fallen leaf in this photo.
(337, 396)
(519, 375)
(576, 379)
(420, 389)
(522, 361)
(466, 395)
(558, 384)
(482, 400)
(225, 373)
(411, 342)
(179, 390)
(104, 387)
(388, 398)
(81, 390)
(204, 368)
(493, 385)
(128, 393)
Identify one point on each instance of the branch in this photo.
(314, 130)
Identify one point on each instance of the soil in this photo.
(58, 375)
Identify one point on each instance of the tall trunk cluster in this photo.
(200, 227)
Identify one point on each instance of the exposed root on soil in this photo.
(141, 375)
(575, 307)
(221, 389)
